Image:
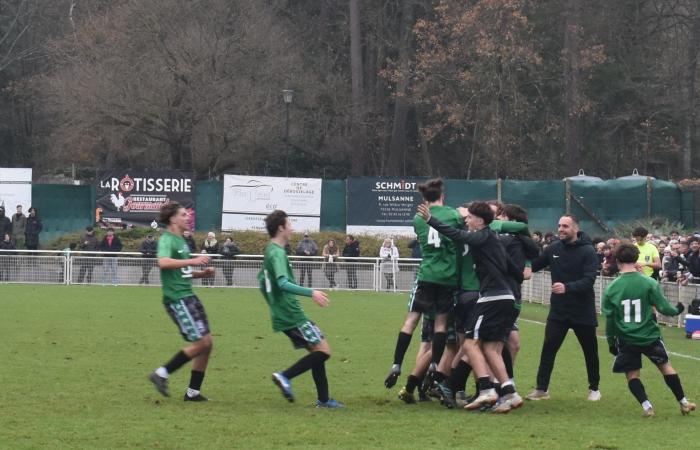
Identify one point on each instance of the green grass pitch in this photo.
(75, 360)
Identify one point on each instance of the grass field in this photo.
(75, 361)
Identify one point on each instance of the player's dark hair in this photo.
(483, 210)
(515, 213)
(626, 252)
(573, 218)
(498, 205)
(274, 221)
(640, 232)
(432, 189)
(167, 211)
(352, 238)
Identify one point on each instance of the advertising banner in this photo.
(134, 197)
(248, 199)
(382, 206)
(15, 189)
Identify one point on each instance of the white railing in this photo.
(368, 274)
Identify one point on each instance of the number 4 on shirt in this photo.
(434, 238)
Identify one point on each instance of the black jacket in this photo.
(352, 249)
(576, 265)
(31, 233)
(149, 248)
(520, 249)
(5, 226)
(115, 247)
(693, 263)
(229, 251)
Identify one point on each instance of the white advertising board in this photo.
(15, 189)
(248, 199)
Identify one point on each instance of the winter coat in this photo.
(19, 224)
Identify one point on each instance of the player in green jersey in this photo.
(280, 290)
(182, 305)
(628, 304)
(435, 283)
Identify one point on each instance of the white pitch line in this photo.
(680, 355)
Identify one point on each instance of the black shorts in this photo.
(431, 298)
(305, 335)
(629, 357)
(466, 301)
(490, 321)
(189, 315)
(428, 330)
(514, 317)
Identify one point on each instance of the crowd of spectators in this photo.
(667, 257)
(23, 230)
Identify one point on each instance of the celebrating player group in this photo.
(467, 298)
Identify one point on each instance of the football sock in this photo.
(508, 361)
(305, 363)
(196, 378)
(485, 384)
(646, 405)
(637, 389)
(674, 383)
(411, 383)
(507, 388)
(458, 379)
(439, 340)
(319, 374)
(161, 372)
(439, 377)
(179, 360)
(402, 343)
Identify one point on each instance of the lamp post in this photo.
(287, 95)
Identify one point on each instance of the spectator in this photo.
(548, 239)
(539, 240)
(414, 245)
(648, 254)
(351, 250)
(110, 244)
(389, 265)
(331, 252)
(669, 265)
(288, 249)
(148, 249)
(34, 227)
(674, 235)
(609, 268)
(307, 247)
(229, 251)
(19, 227)
(693, 260)
(5, 223)
(210, 246)
(6, 264)
(87, 263)
(187, 236)
(600, 253)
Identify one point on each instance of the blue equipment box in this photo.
(692, 323)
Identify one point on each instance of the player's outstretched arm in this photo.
(319, 297)
(662, 305)
(171, 263)
(208, 272)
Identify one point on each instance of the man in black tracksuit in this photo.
(574, 265)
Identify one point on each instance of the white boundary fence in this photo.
(367, 274)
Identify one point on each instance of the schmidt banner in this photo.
(134, 197)
(382, 206)
(248, 199)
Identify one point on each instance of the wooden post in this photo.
(499, 190)
(567, 195)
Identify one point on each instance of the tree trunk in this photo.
(357, 146)
(572, 85)
(689, 98)
(397, 146)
